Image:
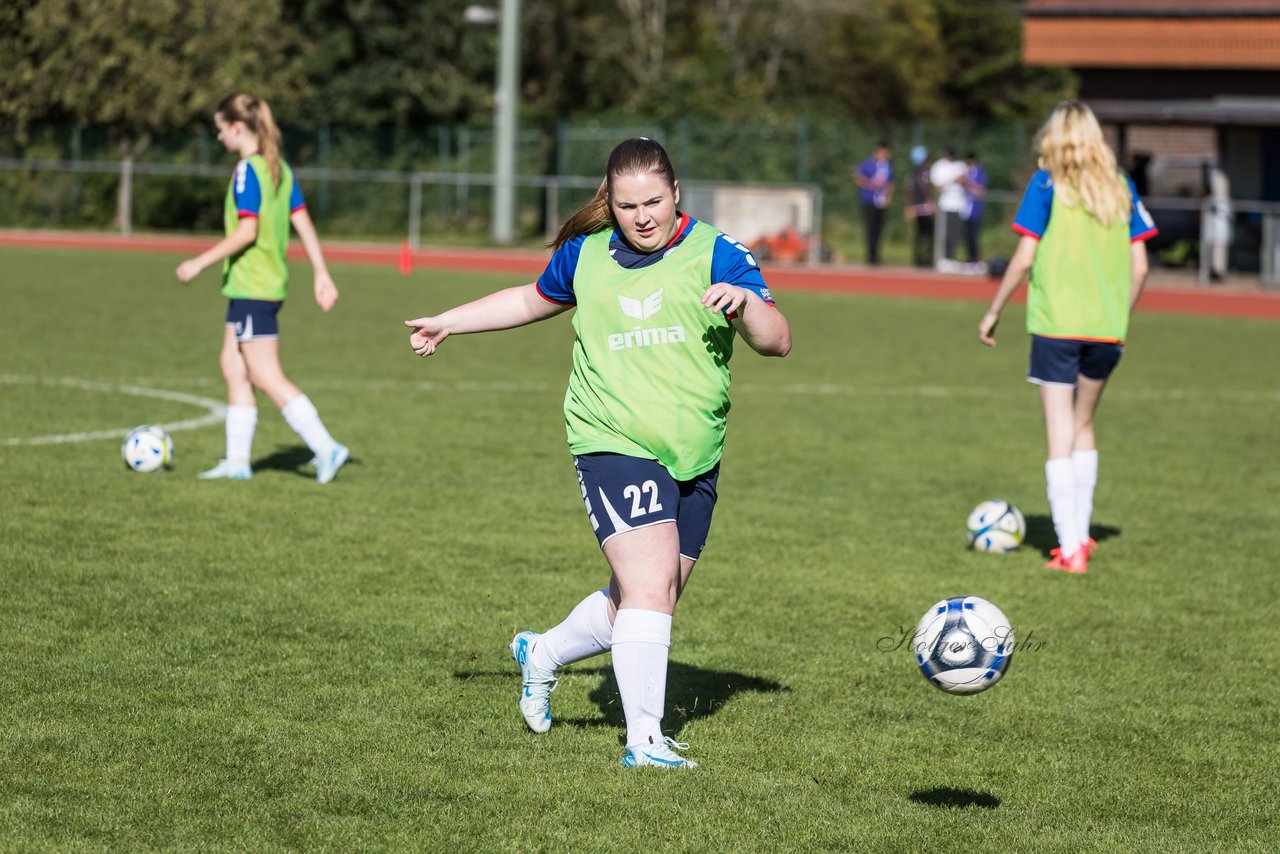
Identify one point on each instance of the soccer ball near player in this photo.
(147, 448)
(996, 526)
(963, 644)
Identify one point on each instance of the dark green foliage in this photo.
(140, 68)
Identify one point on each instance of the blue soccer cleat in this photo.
(227, 470)
(327, 465)
(657, 754)
(535, 694)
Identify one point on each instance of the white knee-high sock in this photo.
(241, 423)
(301, 415)
(1085, 466)
(582, 634)
(1061, 478)
(641, 641)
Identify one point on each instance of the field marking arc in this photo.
(217, 410)
(1005, 390)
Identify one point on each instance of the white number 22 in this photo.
(635, 492)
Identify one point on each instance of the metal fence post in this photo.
(126, 196)
(415, 210)
(1206, 245)
(1268, 250)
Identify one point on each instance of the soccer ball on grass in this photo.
(996, 526)
(147, 448)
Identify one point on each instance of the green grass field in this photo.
(276, 665)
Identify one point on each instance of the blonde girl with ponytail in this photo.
(262, 202)
(1083, 248)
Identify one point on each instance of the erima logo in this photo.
(643, 310)
(651, 305)
(646, 337)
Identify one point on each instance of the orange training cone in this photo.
(405, 262)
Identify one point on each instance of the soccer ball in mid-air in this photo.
(147, 448)
(963, 644)
(996, 526)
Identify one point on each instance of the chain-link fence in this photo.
(434, 185)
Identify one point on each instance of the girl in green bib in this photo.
(263, 200)
(659, 299)
(1083, 246)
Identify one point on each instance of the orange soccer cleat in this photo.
(1078, 563)
(1089, 545)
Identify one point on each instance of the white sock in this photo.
(241, 422)
(1085, 466)
(301, 415)
(1062, 503)
(641, 641)
(584, 633)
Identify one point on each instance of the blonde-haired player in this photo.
(262, 201)
(1083, 246)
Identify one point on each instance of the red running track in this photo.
(528, 264)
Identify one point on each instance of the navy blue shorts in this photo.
(254, 319)
(623, 493)
(1059, 361)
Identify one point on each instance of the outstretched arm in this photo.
(326, 291)
(761, 325)
(504, 309)
(1014, 276)
(238, 241)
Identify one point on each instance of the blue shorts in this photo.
(1059, 361)
(623, 493)
(254, 319)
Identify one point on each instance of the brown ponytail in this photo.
(629, 157)
(256, 116)
(592, 217)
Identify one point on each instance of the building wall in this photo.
(1083, 42)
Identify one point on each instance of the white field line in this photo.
(1011, 389)
(216, 409)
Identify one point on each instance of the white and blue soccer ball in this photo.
(996, 526)
(147, 448)
(963, 644)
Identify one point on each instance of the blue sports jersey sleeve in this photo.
(556, 282)
(733, 263)
(1033, 214)
(295, 198)
(248, 192)
(1141, 225)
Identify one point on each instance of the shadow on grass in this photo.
(957, 799)
(1041, 536)
(296, 459)
(692, 693)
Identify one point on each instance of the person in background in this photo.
(947, 176)
(1083, 230)
(658, 300)
(975, 187)
(919, 208)
(263, 200)
(874, 177)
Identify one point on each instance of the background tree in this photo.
(984, 76)
(139, 68)
(396, 63)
